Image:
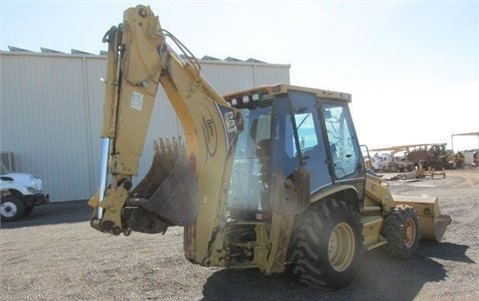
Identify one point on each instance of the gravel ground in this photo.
(55, 255)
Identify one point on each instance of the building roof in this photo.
(103, 52)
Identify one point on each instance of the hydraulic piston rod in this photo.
(105, 148)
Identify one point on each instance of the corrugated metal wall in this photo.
(51, 110)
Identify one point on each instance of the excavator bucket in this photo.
(433, 224)
(169, 190)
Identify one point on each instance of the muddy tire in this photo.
(11, 208)
(401, 230)
(326, 246)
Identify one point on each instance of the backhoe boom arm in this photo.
(186, 180)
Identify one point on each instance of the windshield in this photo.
(4, 169)
(345, 151)
(249, 182)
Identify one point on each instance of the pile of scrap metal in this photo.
(386, 162)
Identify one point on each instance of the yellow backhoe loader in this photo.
(270, 177)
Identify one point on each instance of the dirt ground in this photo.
(55, 255)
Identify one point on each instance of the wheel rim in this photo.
(341, 247)
(8, 209)
(409, 232)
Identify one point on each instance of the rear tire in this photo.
(11, 208)
(326, 245)
(401, 230)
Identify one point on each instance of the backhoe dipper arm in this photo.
(184, 183)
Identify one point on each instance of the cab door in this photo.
(303, 135)
(342, 143)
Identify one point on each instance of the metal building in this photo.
(51, 108)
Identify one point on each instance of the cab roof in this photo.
(265, 91)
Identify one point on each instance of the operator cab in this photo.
(287, 128)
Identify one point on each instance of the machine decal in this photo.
(137, 101)
(209, 132)
(229, 124)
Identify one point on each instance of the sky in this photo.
(412, 67)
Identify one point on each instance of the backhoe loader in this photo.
(270, 177)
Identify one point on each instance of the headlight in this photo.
(30, 189)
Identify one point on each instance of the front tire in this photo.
(402, 232)
(326, 245)
(11, 208)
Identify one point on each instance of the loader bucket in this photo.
(433, 224)
(169, 189)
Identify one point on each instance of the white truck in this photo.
(20, 192)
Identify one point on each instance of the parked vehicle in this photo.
(20, 192)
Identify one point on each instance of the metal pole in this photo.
(105, 149)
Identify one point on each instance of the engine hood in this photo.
(21, 181)
(18, 177)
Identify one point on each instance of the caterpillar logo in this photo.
(230, 127)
